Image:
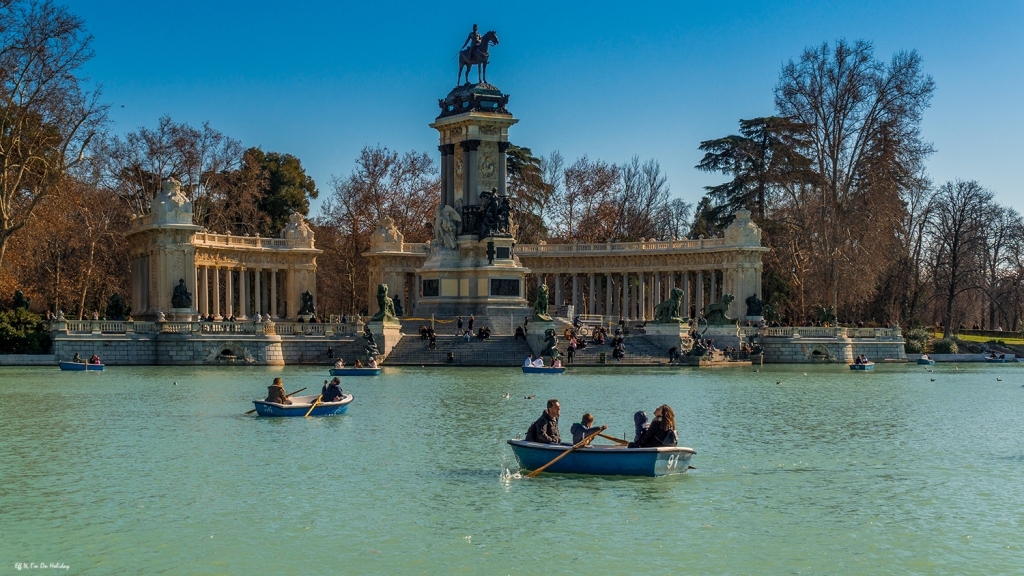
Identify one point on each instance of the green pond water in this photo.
(124, 472)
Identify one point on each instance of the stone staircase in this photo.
(411, 350)
(638, 351)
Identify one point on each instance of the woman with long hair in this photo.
(662, 431)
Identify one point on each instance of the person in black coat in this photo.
(545, 429)
(332, 392)
(662, 431)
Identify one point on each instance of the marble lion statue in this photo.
(669, 310)
(385, 305)
(715, 314)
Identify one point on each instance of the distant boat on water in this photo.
(80, 366)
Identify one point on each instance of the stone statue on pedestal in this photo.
(669, 310)
(540, 307)
(716, 313)
(385, 306)
(20, 301)
(181, 298)
(477, 54)
(371, 345)
(307, 304)
(755, 306)
(446, 227)
(549, 343)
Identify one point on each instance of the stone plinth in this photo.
(386, 334)
(666, 335)
(723, 336)
(535, 337)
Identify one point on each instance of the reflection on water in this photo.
(124, 471)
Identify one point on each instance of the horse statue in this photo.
(478, 56)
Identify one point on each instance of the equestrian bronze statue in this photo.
(476, 54)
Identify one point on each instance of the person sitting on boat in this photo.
(583, 428)
(545, 429)
(556, 363)
(925, 357)
(641, 425)
(372, 363)
(662, 431)
(358, 363)
(276, 394)
(94, 359)
(864, 359)
(538, 362)
(340, 363)
(528, 363)
(78, 359)
(332, 392)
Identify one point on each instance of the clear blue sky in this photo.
(320, 80)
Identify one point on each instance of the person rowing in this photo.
(584, 428)
(276, 393)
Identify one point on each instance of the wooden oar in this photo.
(286, 396)
(315, 402)
(563, 454)
(619, 441)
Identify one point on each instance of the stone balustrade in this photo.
(822, 332)
(206, 328)
(212, 240)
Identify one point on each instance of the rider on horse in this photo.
(473, 40)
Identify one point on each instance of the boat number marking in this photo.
(673, 460)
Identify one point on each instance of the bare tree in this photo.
(863, 118)
(642, 200)
(957, 230)
(47, 115)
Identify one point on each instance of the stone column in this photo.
(671, 284)
(575, 293)
(593, 296)
(229, 296)
(558, 290)
(626, 296)
(273, 293)
(216, 292)
(714, 287)
(700, 291)
(540, 280)
(204, 294)
(243, 293)
(608, 295)
(258, 292)
(502, 167)
(471, 195)
(640, 285)
(686, 293)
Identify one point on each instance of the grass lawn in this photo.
(1008, 341)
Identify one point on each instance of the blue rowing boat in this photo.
(355, 371)
(80, 366)
(868, 366)
(925, 361)
(300, 405)
(544, 370)
(603, 460)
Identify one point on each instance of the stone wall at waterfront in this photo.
(803, 350)
(175, 349)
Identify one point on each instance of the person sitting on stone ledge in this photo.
(276, 394)
(520, 333)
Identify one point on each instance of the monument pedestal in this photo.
(667, 335)
(386, 335)
(535, 336)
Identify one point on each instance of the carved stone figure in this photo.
(446, 227)
(385, 306)
(371, 344)
(669, 310)
(115, 308)
(20, 301)
(307, 304)
(550, 341)
(715, 314)
(540, 307)
(170, 205)
(755, 306)
(297, 229)
(477, 53)
(386, 236)
(181, 298)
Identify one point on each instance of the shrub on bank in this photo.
(23, 332)
(916, 340)
(945, 346)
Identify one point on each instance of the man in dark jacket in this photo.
(545, 429)
(276, 393)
